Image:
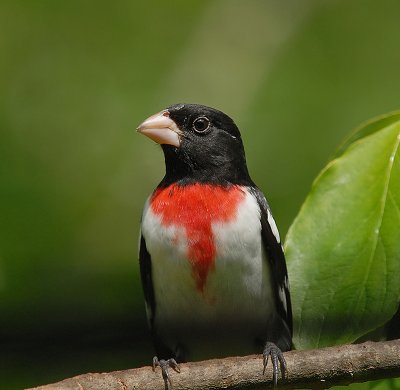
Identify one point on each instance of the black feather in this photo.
(147, 279)
(148, 289)
(279, 277)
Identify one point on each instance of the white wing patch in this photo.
(282, 297)
(286, 282)
(274, 229)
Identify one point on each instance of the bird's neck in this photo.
(180, 169)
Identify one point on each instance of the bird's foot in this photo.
(276, 354)
(165, 365)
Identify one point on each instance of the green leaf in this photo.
(368, 128)
(381, 384)
(343, 249)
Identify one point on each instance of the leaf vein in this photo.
(377, 229)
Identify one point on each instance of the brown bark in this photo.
(320, 368)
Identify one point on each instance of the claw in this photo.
(276, 354)
(164, 365)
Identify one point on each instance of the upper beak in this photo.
(161, 129)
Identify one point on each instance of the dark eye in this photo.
(201, 124)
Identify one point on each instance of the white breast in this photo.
(237, 295)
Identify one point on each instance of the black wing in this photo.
(279, 278)
(163, 352)
(147, 280)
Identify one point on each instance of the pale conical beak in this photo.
(161, 129)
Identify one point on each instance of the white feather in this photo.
(237, 290)
(274, 228)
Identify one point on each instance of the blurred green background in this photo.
(76, 77)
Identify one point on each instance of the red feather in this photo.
(195, 207)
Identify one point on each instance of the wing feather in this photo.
(279, 276)
(147, 280)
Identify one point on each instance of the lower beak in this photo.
(161, 129)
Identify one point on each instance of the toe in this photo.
(277, 359)
(164, 365)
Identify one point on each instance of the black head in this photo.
(200, 144)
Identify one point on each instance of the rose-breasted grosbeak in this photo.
(212, 266)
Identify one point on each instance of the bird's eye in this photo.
(201, 124)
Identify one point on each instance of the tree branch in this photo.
(320, 368)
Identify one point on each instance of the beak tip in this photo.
(140, 128)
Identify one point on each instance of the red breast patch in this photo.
(195, 207)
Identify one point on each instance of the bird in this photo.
(211, 262)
